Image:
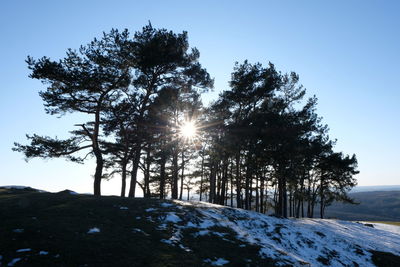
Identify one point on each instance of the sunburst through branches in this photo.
(188, 130)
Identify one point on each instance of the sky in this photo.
(345, 52)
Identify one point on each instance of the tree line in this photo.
(260, 145)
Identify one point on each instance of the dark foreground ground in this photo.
(59, 229)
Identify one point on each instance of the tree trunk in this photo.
(174, 189)
(290, 202)
(98, 174)
(285, 202)
(162, 176)
(135, 166)
(321, 196)
(257, 196)
(300, 197)
(262, 179)
(201, 177)
(247, 187)
(123, 177)
(231, 183)
(211, 197)
(182, 175)
(96, 149)
(147, 176)
(223, 182)
(238, 182)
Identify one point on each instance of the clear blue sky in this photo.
(346, 52)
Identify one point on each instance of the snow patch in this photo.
(206, 224)
(24, 250)
(137, 230)
(191, 225)
(123, 208)
(13, 261)
(172, 217)
(300, 241)
(150, 209)
(42, 252)
(217, 262)
(162, 227)
(166, 205)
(167, 241)
(93, 230)
(386, 227)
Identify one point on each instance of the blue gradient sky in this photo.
(346, 52)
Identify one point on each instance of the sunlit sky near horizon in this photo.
(345, 52)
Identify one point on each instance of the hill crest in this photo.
(41, 229)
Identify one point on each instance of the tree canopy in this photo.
(260, 145)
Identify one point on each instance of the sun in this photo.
(188, 129)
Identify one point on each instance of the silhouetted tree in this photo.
(81, 82)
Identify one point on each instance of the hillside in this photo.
(67, 229)
(374, 206)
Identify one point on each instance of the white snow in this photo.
(123, 208)
(14, 261)
(172, 217)
(167, 241)
(162, 226)
(42, 252)
(296, 241)
(175, 240)
(24, 250)
(93, 230)
(185, 248)
(140, 231)
(149, 218)
(166, 205)
(208, 232)
(150, 209)
(387, 227)
(218, 262)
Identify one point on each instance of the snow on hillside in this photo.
(390, 228)
(297, 242)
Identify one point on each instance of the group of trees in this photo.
(266, 139)
(259, 145)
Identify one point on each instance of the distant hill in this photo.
(376, 188)
(68, 229)
(374, 206)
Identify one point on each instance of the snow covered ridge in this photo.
(295, 242)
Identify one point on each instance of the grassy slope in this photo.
(58, 224)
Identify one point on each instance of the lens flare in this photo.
(188, 129)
